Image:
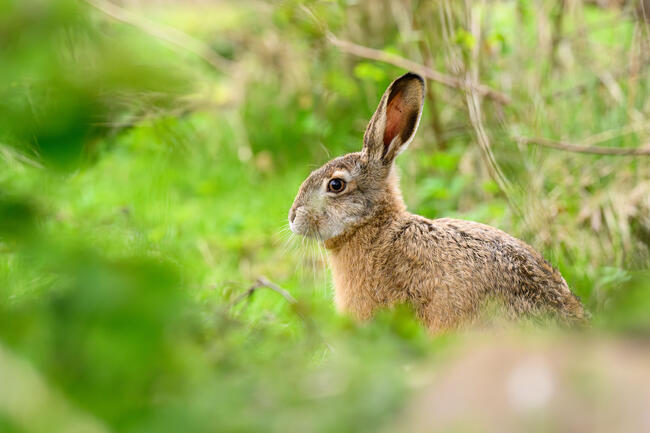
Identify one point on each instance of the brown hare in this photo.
(382, 255)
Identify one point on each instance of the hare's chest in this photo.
(356, 285)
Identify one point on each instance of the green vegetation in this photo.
(143, 190)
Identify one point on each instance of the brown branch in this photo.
(597, 150)
(431, 74)
(165, 33)
(475, 117)
(436, 124)
(264, 283)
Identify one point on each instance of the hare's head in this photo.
(350, 190)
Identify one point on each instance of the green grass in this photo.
(131, 219)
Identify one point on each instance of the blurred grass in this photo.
(142, 191)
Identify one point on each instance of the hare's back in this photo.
(493, 248)
(477, 257)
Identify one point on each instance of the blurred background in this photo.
(150, 151)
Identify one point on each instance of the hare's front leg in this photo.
(354, 303)
(438, 316)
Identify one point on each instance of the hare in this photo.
(382, 255)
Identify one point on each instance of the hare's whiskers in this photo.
(287, 237)
(323, 255)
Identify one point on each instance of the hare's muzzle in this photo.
(301, 222)
(293, 225)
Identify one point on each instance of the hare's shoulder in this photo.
(461, 238)
(486, 242)
(446, 229)
(471, 230)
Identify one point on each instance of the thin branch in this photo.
(433, 100)
(614, 133)
(475, 117)
(597, 150)
(393, 59)
(165, 33)
(264, 283)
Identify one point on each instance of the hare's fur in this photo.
(445, 268)
(382, 255)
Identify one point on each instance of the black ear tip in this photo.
(407, 80)
(412, 76)
(409, 77)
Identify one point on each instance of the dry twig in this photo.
(264, 283)
(431, 74)
(597, 150)
(475, 117)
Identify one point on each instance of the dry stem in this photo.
(597, 150)
(393, 59)
(264, 283)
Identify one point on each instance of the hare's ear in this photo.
(393, 125)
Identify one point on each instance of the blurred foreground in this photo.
(149, 152)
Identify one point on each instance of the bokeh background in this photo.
(150, 151)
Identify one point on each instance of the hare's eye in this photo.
(336, 185)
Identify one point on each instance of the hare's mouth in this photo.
(301, 227)
(306, 225)
(313, 223)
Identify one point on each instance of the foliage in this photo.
(142, 191)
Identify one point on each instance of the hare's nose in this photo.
(292, 215)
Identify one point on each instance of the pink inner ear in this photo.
(395, 119)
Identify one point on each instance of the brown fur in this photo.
(382, 255)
